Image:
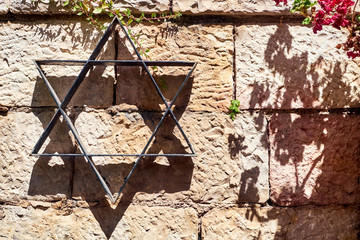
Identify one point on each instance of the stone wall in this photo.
(287, 168)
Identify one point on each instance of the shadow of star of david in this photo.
(87, 65)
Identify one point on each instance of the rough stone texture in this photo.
(38, 7)
(24, 176)
(147, 6)
(63, 221)
(211, 84)
(263, 7)
(4, 6)
(56, 7)
(318, 223)
(288, 66)
(23, 42)
(231, 166)
(314, 159)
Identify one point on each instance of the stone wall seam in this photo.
(234, 60)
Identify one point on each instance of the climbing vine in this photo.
(93, 9)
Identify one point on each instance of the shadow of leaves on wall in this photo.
(314, 155)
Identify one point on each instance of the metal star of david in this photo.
(87, 64)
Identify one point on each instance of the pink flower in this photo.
(352, 54)
(333, 13)
(279, 1)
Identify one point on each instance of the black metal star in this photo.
(87, 64)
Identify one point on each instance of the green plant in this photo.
(93, 9)
(234, 109)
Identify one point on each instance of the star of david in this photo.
(87, 65)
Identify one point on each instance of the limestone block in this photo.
(146, 6)
(23, 42)
(287, 66)
(129, 222)
(28, 177)
(38, 7)
(309, 222)
(231, 164)
(314, 159)
(210, 86)
(4, 7)
(264, 7)
(56, 7)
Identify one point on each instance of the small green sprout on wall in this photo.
(234, 109)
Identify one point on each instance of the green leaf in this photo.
(128, 12)
(97, 10)
(234, 108)
(79, 13)
(66, 3)
(147, 50)
(307, 21)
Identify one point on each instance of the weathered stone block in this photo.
(20, 82)
(147, 6)
(287, 66)
(56, 7)
(39, 7)
(210, 87)
(4, 6)
(28, 177)
(264, 7)
(129, 222)
(314, 159)
(310, 222)
(231, 164)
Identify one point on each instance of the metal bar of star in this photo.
(172, 114)
(75, 133)
(115, 63)
(112, 155)
(157, 87)
(74, 87)
(168, 109)
(103, 40)
(86, 66)
(155, 131)
(64, 104)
